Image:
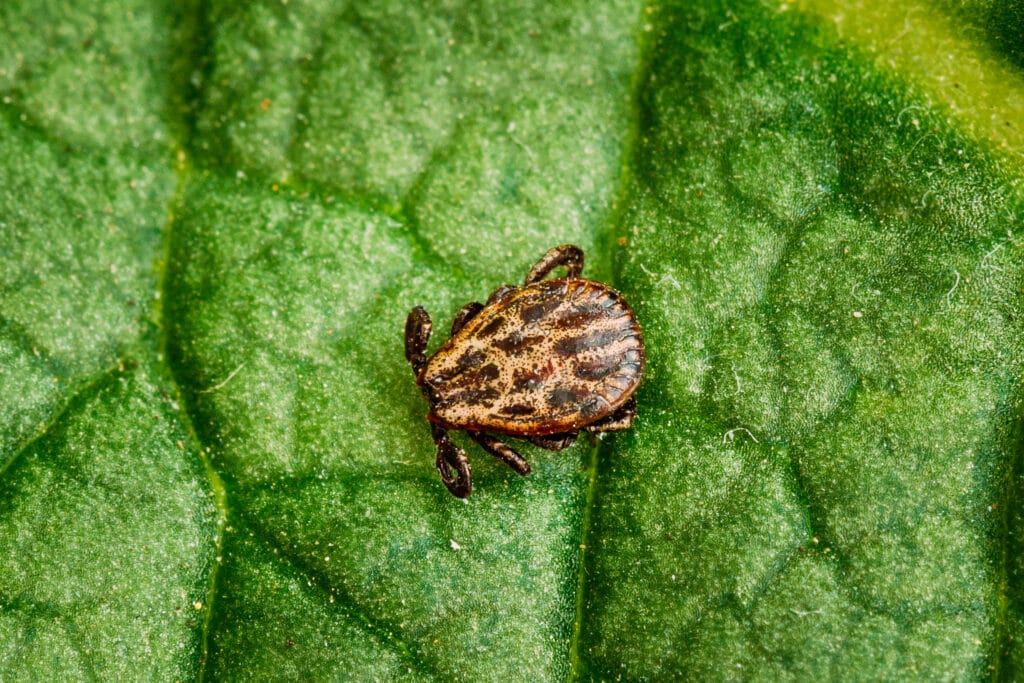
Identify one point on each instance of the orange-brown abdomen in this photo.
(546, 358)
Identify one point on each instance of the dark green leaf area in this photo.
(999, 22)
(269, 295)
(830, 289)
(94, 73)
(291, 346)
(275, 617)
(108, 529)
(690, 526)
(80, 236)
(505, 121)
(1014, 553)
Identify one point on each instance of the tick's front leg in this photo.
(452, 464)
(501, 291)
(465, 314)
(568, 255)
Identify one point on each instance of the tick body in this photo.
(539, 362)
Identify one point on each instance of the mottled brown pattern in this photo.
(557, 354)
(539, 362)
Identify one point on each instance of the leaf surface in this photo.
(214, 219)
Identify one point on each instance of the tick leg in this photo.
(617, 421)
(501, 451)
(452, 464)
(568, 255)
(465, 314)
(417, 332)
(554, 442)
(501, 291)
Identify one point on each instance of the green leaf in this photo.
(107, 526)
(214, 219)
(837, 357)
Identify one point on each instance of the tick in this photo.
(539, 362)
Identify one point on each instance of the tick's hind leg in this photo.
(465, 314)
(417, 333)
(452, 464)
(568, 255)
(617, 421)
(554, 442)
(501, 451)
